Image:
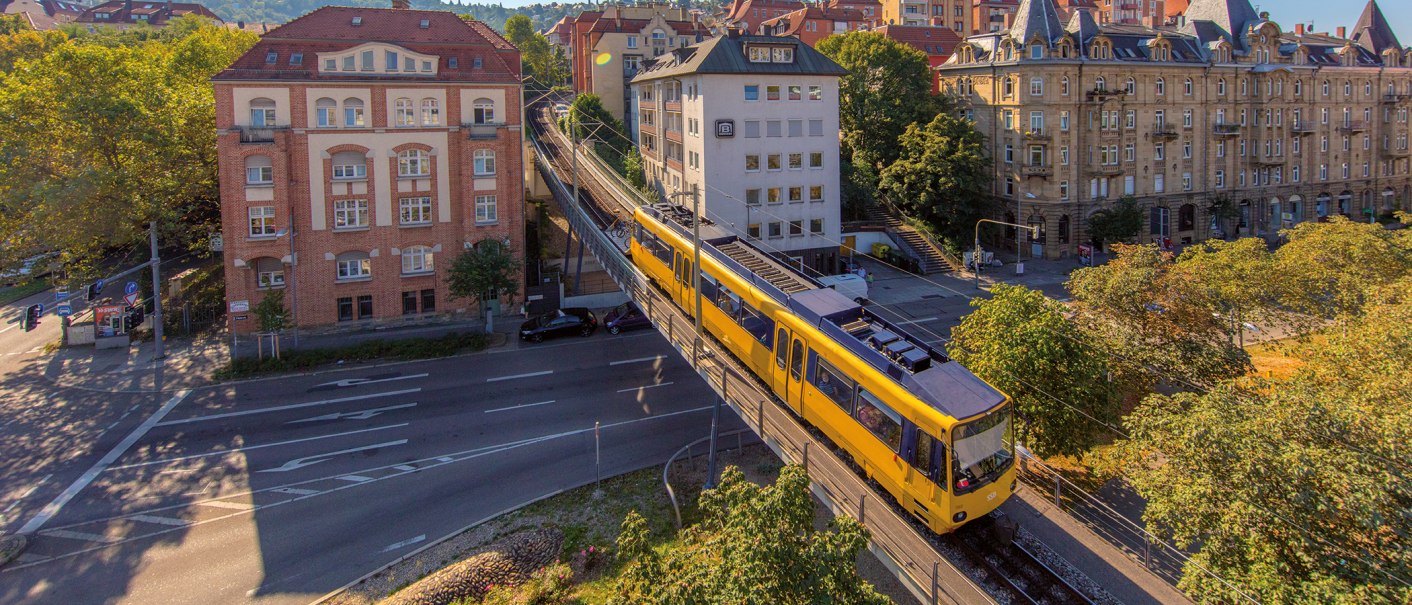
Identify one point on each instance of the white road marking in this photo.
(88, 476)
(638, 360)
(353, 382)
(12, 326)
(650, 386)
(295, 491)
(404, 543)
(229, 505)
(298, 463)
(516, 407)
(161, 520)
(31, 558)
(293, 406)
(256, 447)
(363, 415)
(27, 493)
(917, 321)
(355, 478)
(529, 375)
(405, 468)
(444, 459)
(79, 535)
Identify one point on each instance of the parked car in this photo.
(561, 110)
(559, 322)
(624, 317)
(851, 285)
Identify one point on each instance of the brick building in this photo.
(815, 23)
(361, 150)
(123, 14)
(749, 14)
(608, 47)
(937, 41)
(43, 14)
(1229, 113)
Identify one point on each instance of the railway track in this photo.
(1012, 568)
(602, 203)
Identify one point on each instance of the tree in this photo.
(1019, 341)
(755, 545)
(595, 123)
(484, 272)
(1237, 280)
(1296, 490)
(1329, 269)
(518, 30)
(270, 314)
(27, 45)
(942, 175)
(632, 169)
(1119, 223)
(887, 88)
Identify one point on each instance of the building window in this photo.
(772, 162)
(816, 128)
(390, 60)
(1187, 87)
(483, 111)
(816, 159)
(816, 93)
(262, 113)
(365, 306)
(345, 309)
(414, 210)
(403, 113)
(486, 210)
(413, 162)
(752, 163)
(1063, 190)
(353, 112)
(752, 197)
(431, 112)
(1220, 179)
(350, 165)
(269, 273)
(753, 231)
(418, 260)
(776, 230)
(350, 214)
(1036, 86)
(796, 93)
(796, 228)
(772, 195)
(816, 226)
(816, 193)
(259, 170)
(796, 194)
(326, 113)
(796, 161)
(262, 221)
(354, 265)
(752, 92)
(772, 93)
(484, 162)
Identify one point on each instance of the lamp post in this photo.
(293, 287)
(697, 340)
(976, 256)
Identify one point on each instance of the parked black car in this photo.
(557, 323)
(624, 317)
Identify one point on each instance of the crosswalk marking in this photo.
(356, 478)
(78, 535)
(229, 505)
(160, 520)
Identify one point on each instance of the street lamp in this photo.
(697, 340)
(293, 288)
(976, 256)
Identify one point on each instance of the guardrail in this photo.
(667, 468)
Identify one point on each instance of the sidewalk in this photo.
(190, 363)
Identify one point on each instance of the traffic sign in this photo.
(130, 288)
(64, 310)
(131, 299)
(61, 294)
(40, 307)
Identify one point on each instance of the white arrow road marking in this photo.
(256, 447)
(295, 491)
(529, 375)
(298, 463)
(293, 406)
(160, 520)
(516, 407)
(650, 386)
(353, 382)
(363, 415)
(228, 505)
(355, 478)
(404, 543)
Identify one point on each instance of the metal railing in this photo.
(952, 263)
(690, 455)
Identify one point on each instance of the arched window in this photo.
(431, 112)
(262, 113)
(403, 113)
(1130, 86)
(1064, 229)
(326, 113)
(484, 162)
(259, 170)
(353, 113)
(483, 111)
(1186, 217)
(354, 265)
(418, 260)
(1161, 86)
(1099, 84)
(413, 162)
(1221, 87)
(1038, 223)
(1187, 87)
(350, 165)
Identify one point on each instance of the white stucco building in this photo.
(751, 123)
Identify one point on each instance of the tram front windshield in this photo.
(983, 451)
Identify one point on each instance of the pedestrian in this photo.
(524, 309)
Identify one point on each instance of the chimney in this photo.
(1009, 19)
(1342, 31)
(1299, 28)
(402, 4)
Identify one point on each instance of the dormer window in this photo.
(1036, 51)
(391, 61)
(271, 58)
(296, 59)
(357, 21)
(452, 63)
(367, 60)
(784, 55)
(476, 63)
(425, 24)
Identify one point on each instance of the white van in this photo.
(848, 284)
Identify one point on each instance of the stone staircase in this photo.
(931, 257)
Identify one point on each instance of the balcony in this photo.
(482, 131)
(1041, 170)
(1352, 126)
(1273, 160)
(259, 136)
(1104, 93)
(1037, 135)
(1107, 169)
(1393, 97)
(1163, 131)
(1226, 130)
(1302, 127)
(1395, 153)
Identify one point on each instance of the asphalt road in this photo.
(279, 491)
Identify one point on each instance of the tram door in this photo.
(682, 289)
(780, 375)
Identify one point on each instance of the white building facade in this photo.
(751, 124)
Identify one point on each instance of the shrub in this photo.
(406, 349)
(551, 585)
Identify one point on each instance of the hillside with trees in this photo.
(542, 15)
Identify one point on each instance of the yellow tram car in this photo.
(931, 433)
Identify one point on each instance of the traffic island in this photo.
(373, 350)
(11, 546)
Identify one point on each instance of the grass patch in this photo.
(9, 294)
(1281, 358)
(404, 349)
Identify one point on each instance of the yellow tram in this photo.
(931, 433)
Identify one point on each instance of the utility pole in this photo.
(158, 352)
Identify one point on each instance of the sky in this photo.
(1329, 15)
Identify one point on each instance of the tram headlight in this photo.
(959, 517)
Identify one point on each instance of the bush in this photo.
(551, 585)
(407, 349)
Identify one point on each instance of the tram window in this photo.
(835, 385)
(796, 359)
(780, 339)
(708, 288)
(879, 419)
(728, 302)
(756, 324)
(922, 456)
(663, 252)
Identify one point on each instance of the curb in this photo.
(11, 546)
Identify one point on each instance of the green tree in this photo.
(270, 313)
(887, 88)
(632, 169)
(1329, 269)
(942, 175)
(541, 60)
(27, 45)
(484, 272)
(594, 123)
(755, 545)
(1296, 490)
(1117, 224)
(1019, 341)
(1238, 281)
(519, 29)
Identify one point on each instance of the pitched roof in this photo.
(1226, 18)
(1177, 7)
(157, 12)
(793, 22)
(1083, 27)
(933, 40)
(726, 55)
(1373, 32)
(333, 29)
(1037, 18)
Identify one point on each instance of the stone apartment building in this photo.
(1286, 126)
(749, 123)
(361, 150)
(955, 14)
